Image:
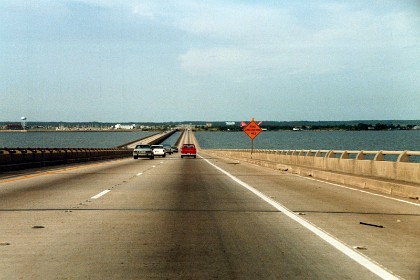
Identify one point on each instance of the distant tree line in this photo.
(343, 126)
(235, 126)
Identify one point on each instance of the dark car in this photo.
(143, 150)
(168, 149)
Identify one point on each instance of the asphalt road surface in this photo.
(204, 218)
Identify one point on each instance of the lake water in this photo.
(280, 140)
(69, 139)
(396, 140)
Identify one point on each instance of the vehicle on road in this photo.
(143, 150)
(188, 150)
(168, 148)
(175, 149)
(158, 150)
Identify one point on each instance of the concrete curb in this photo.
(397, 188)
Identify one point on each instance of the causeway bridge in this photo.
(229, 214)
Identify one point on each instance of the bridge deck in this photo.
(173, 218)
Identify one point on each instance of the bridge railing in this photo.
(153, 139)
(19, 158)
(388, 165)
(398, 156)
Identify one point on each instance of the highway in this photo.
(204, 218)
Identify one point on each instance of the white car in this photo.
(158, 150)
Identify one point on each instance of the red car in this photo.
(188, 150)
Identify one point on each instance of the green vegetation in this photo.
(217, 125)
(323, 125)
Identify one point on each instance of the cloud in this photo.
(276, 50)
(143, 10)
(246, 23)
(202, 61)
(340, 38)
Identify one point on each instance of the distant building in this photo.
(145, 127)
(230, 123)
(121, 126)
(14, 126)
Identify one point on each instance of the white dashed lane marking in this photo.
(100, 194)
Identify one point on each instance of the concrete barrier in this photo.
(37, 155)
(5, 156)
(396, 175)
(154, 139)
(21, 158)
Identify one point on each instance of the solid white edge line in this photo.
(356, 256)
(100, 194)
(359, 190)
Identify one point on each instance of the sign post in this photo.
(252, 130)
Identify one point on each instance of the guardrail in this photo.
(20, 158)
(385, 171)
(178, 141)
(397, 156)
(153, 139)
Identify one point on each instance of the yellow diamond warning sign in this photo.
(252, 129)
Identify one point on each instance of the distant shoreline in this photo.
(87, 130)
(210, 130)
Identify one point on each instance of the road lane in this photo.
(209, 220)
(339, 212)
(66, 188)
(184, 219)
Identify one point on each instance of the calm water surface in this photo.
(315, 140)
(280, 140)
(69, 139)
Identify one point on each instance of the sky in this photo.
(189, 60)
